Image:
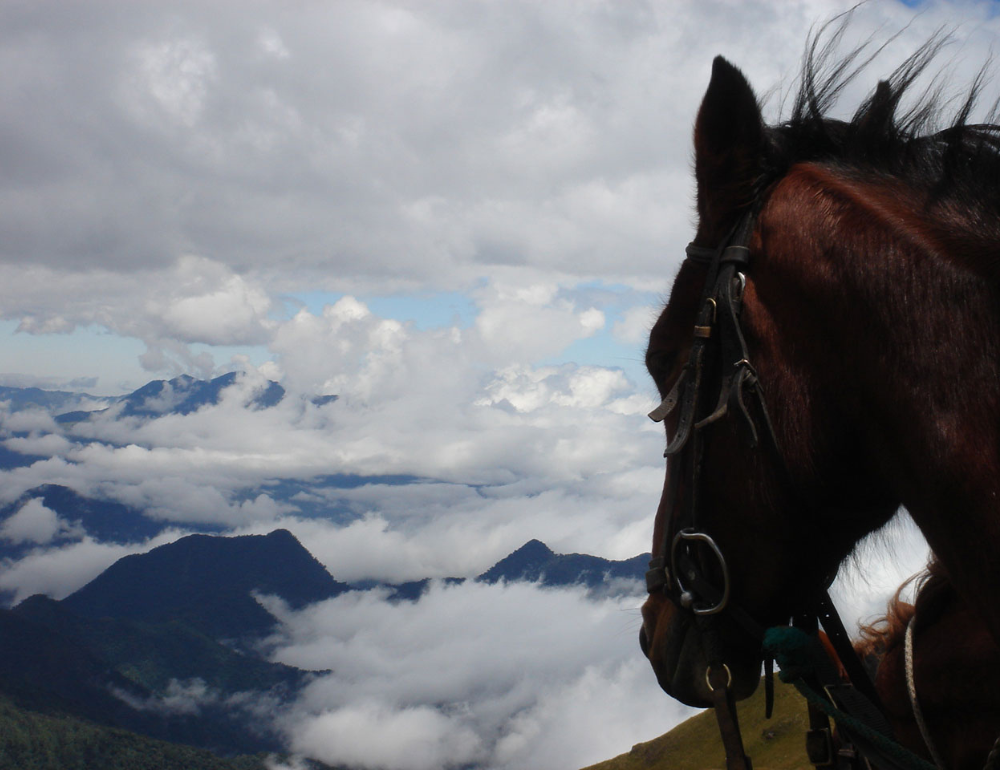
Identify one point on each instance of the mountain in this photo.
(206, 583)
(150, 655)
(50, 672)
(51, 400)
(536, 562)
(148, 645)
(533, 562)
(181, 395)
(777, 744)
(43, 670)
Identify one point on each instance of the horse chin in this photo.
(680, 664)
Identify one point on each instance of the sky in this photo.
(461, 217)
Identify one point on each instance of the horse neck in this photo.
(901, 340)
(956, 664)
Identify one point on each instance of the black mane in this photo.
(929, 145)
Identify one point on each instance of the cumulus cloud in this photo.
(273, 143)
(57, 572)
(33, 522)
(635, 325)
(477, 677)
(217, 158)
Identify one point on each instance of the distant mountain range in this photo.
(164, 643)
(177, 625)
(535, 562)
(181, 395)
(54, 401)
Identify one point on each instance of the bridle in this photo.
(718, 356)
(718, 347)
(718, 381)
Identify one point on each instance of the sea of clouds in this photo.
(219, 186)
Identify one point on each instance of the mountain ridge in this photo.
(181, 395)
(207, 582)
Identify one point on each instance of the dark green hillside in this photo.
(152, 654)
(34, 741)
(47, 671)
(206, 582)
(42, 670)
(775, 744)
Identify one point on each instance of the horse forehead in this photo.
(803, 203)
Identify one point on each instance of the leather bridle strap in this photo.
(724, 704)
(841, 641)
(719, 354)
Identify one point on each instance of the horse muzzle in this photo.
(675, 647)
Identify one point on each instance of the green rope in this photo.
(801, 655)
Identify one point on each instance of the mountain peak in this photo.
(207, 582)
(536, 562)
(181, 395)
(526, 563)
(533, 549)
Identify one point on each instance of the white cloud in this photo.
(635, 325)
(229, 312)
(217, 156)
(174, 75)
(520, 677)
(422, 738)
(57, 572)
(33, 522)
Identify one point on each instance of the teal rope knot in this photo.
(799, 656)
(797, 653)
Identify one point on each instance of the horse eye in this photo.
(661, 365)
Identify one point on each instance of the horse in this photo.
(955, 668)
(830, 352)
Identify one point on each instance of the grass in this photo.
(775, 744)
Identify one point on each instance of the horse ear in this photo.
(729, 147)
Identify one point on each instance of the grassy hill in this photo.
(775, 744)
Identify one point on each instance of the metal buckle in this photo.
(708, 677)
(686, 596)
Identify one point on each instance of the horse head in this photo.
(772, 475)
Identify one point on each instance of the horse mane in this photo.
(934, 594)
(896, 133)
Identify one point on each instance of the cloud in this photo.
(635, 325)
(57, 572)
(33, 522)
(179, 698)
(214, 158)
(217, 159)
(274, 142)
(422, 738)
(499, 678)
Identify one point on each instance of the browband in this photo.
(703, 255)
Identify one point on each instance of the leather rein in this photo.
(690, 569)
